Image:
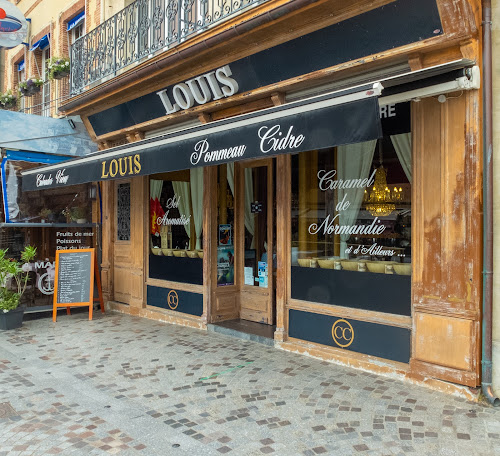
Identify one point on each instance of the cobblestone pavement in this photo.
(130, 386)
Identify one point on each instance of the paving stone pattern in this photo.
(130, 386)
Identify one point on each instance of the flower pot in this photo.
(23, 91)
(33, 89)
(61, 74)
(9, 105)
(12, 319)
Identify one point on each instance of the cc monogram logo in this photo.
(342, 333)
(172, 299)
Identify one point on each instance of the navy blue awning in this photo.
(41, 44)
(78, 19)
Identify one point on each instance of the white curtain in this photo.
(249, 218)
(196, 177)
(402, 144)
(155, 188)
(353, 162)
(181, 189)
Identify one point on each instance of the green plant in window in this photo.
(78, 213)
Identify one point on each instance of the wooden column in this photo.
(138, 233)
(446, 238)
(283, 243)
(107, 234)
(209, 236)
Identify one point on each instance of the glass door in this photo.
(255, 222)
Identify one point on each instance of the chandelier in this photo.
(380, 202)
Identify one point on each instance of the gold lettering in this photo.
(104, 175)
(111, 172)
(130, 170)
(137, 163)
(120, 160)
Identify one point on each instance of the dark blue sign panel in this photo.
(397, 24)
(177, 300)
(388, 293)
(382, 341)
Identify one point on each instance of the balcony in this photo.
(141, 30)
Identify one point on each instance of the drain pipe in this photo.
(487, 342)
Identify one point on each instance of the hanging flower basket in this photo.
(30, 87)
(59, 67)
(9, 105)
(33, 90)
(7, 100)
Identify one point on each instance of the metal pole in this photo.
(486, 359)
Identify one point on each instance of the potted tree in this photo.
(59, 67)
(31, 86)
(13, 282)
(7, 100)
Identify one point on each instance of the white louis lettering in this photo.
(202, 89)
(272, 139)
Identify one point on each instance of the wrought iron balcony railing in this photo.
(141, 30)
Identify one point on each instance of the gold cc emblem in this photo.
(172, 299)
(342, 333)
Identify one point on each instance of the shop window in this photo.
(351, 222)
(176, 226)
(123, 212)
(50, 220)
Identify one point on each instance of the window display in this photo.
(176, 226)
(351, 213)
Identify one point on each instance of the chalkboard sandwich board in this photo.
(74, 280)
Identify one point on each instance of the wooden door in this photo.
(255, 243)
(129, 228)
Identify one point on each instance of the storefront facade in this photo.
(325, 183)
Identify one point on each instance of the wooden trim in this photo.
(347, 357)
(176, 285)
(283, 241)
(400, 321)
(448, 374)
(209, 235)
(443, 308)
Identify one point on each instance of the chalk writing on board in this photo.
(73, 277)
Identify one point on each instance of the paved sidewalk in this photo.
(130, 386)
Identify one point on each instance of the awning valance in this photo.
(343, 117)
(20, 66)
(78, 19)
(41, 43)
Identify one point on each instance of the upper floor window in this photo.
(76, 27)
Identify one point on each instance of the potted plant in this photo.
(45, 214)
(59, 67)
(78, 214)
(13, 282)
(7, 100)
(30, 86)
